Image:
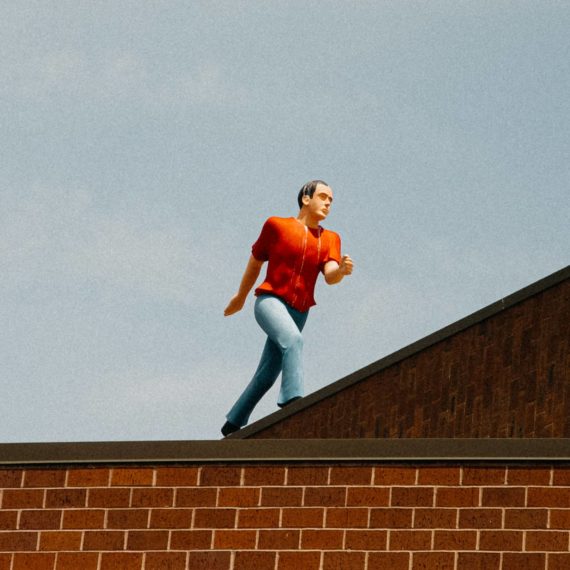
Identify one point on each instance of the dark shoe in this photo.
(228, 428)
(289, 401)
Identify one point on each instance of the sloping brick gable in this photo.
(507, 375)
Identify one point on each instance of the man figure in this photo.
(297, 250)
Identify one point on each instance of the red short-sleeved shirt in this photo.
(296, 254)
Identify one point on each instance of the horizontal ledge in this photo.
(287, 450)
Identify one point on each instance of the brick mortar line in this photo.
(549, 518)
(412, 527)
(373, 485)
(287, 550)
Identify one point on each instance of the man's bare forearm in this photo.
(333, 277)
(335, 273)
(250, 276)
(248, 280)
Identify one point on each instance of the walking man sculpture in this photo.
(297, 250)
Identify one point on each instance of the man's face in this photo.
(320, 204)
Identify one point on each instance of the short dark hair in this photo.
(308, 189)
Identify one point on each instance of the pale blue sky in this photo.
(144, 144)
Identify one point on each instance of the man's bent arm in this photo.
(248, 280)
(335, 273)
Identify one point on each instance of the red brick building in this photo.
(450, 454)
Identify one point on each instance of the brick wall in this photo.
(505, 376)
(287, 516)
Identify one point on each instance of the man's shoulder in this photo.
(279, 220)
(276, 221)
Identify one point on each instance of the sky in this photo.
(144, 143)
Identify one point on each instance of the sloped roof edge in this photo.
(409, 350)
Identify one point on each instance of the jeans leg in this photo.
(267, 372)
(283, 326)
(282, 352)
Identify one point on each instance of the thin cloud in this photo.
(150, 404)
(62, 235)
(119, 76)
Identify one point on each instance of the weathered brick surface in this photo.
(77, 560)
(506, 376)
(288, 517)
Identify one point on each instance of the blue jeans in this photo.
(282, 353)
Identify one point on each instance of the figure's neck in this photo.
(308, 220)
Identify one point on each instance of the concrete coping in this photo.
(287, 451)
